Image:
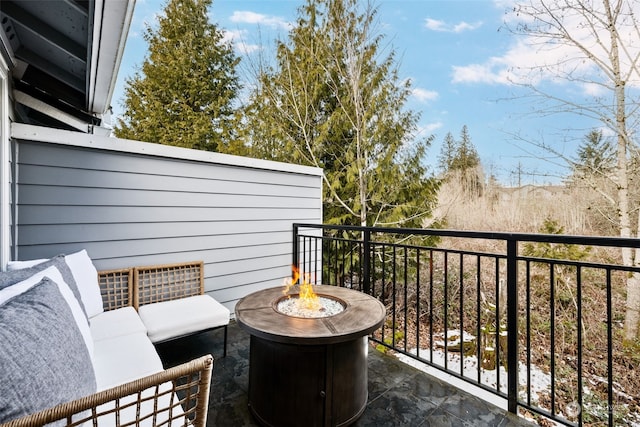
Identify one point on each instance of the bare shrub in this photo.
(551, 327)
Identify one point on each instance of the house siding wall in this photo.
(129, 208)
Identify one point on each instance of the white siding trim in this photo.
(111, 24)
(56, 136)
(5, 183)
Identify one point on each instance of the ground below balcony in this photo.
(399, 395)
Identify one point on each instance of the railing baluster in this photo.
(336, 265)
(405, 296)
(461, 314)
(497, 350)
(446, 311)
(295, 249)
(315, 262)
(393, 297)
(528, 317)
(552, 313)
(431, 305)
(370, 284)
(418, 301)
(303, 265)
(579, 350)
(367, 261)
(609, 350)
(512, 325)
(478, 319)
(383, 275)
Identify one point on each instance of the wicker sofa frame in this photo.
(184, 402)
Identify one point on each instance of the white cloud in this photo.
(430, 127)
(424, 95)
(435, 25)
(607, 132)
(245, 48)
(464, 26)
(526, 61)
(442, 26)
(593, 89)
(248, 17)
(533, 59)
(238, 39)
(493, 71)
(232, 36)
(504, 4)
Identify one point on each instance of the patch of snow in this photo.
(454, 339)
(540, 381)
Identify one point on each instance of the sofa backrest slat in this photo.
(116, 288)
(167, 282)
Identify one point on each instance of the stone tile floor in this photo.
(399, 395)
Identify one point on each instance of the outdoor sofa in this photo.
(77, 345)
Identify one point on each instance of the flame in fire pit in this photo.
(307, 298)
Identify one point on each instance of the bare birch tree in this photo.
(594, 44)
(334, 100)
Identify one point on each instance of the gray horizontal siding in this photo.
(128, 208)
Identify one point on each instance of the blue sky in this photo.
(457, 54)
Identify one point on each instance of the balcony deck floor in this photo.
(399, 395)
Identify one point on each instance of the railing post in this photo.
(512, 325)
(366, 268)
(295, 257)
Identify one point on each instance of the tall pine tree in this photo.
(184, 92)
(466, 157)
(447, 153)
(335, 100)
(459, 161)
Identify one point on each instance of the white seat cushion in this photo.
(125, 358)
(114, 323)
(171, 319)
(86, 277)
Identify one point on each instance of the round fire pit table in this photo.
(308, 371)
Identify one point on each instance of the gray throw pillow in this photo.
(12, 277)
(43, 358)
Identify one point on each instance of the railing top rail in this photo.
(490, 235)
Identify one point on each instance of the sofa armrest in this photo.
(159, 283)
(116, 288)
(164, 398)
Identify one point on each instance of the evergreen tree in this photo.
(593, 171)
(596, 155)
(447, 153)
(460, 155)
(459, 161)
(184, 92)
(466, 157)
(335, 101)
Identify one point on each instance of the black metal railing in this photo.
(534, 319)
